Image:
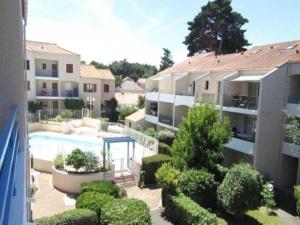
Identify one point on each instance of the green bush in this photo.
(268, 197)
(66, 114)
(184, 211)
(92, 163)
(93, 201)
(76, 159)
(57, 119)
(59, 162)
(150, 132)
(220, 172)
(33, 107)
(74, 104)
(297, 198)
(125, 212)
(200, 186)
(163, 148)
(151, 164)
(166, 136)
(103, 187)
(168, 177)
(72, 217)
(240, 190)
(126, 111)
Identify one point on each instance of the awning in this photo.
(248, 78)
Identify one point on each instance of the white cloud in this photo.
(95, 32)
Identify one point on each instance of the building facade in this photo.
(55, 74)
(15, 189)
(257, 90)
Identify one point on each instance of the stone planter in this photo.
(70, 183)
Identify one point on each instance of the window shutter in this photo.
(84, 87)
(95, 87)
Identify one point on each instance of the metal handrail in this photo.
(9, 145)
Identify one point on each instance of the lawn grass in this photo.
(252, 217)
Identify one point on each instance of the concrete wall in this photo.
(272, 100)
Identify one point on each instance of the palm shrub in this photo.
(200, 145)
(240, 190)
(199, 185)
(125, 212)
(93, 201)
(76, 159)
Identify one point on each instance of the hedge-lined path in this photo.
(157, 217)
(48, 200)
(150, 195)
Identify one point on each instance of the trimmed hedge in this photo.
(103, 187)
(184, 211)
(72, 217)
(297, 198)
(151, 164)
(93, 201)
(166, 136)
(200, 186)
(125, 212)
(164, 149)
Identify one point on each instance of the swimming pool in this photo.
(46, 145)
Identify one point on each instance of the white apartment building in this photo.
(55, 74)
(256, 89)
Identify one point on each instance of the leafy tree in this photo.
(200, 139)
(166, 60)
(126, 111)
(240, 190)
(92, 162)
(216, 28)
(141, 102)
(74, 104)
(99, 65)
(110, 108)
(292, 131)
(77, 159)
(33, 107)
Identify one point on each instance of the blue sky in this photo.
(107, 30)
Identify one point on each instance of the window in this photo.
(28, 85)
(206, 85)
(44, 85)
(90, 87)
(69, 68)
(44, 66)
(106, 88)
(55, 104)
(28, 64)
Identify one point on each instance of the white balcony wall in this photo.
(152, 96)
(163, 97)
(184, 100)
(240, 145)
(151, 118)
(251, 112)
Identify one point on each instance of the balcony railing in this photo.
(70, 93)
(48, 73)
(185, 93)
(51, 93)
(165, 119)
(151, 112)
(240, 101)
(9, 149)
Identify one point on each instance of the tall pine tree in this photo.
(216, 28)
(166, 60)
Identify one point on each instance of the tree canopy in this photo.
(200, 144)
(166, 60)
(216, 28)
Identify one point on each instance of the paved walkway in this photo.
(48, 200)
(158, 219)
(287, 219)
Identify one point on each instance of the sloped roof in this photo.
(138, 115)
(141, 81)
(45, 47)
(90, 71)
(127, 98)
(257, 57)
(130, 86)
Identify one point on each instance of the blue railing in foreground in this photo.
(9, 147)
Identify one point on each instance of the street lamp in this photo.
(91, 101)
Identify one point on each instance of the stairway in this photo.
(125, 181)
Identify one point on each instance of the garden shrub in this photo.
(66, 114)
(59, 162)
(33, 107)
(93, 201)
(184, 211)
(151, 164)
(126, 111)
(220, 172)
(74, 104)
(267, 196)
(57, 119)
(163, 148)
(166, 136)
(150, 132)
(76, 159)
(200, 186)
(240, 190)
(125, 212)
(92, 163)
(103, 187)
(297, 198)
(72, 217)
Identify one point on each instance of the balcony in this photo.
(47, 75)
(152, 96)
(47, 94)
(293, 106)
(151, 118)
(291, 149)
(241, 145)
(184, 100)
(166, 97)
(73, 93)
(165, 120)
(240, 104)
(12, 173)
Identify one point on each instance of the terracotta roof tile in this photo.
(37, 46)
(90, 71)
